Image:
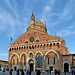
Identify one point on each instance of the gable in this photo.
(43, 37)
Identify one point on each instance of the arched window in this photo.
(41, 46)
(27, 47)
(19, 47)
(47, 45)
(44, 45)
(35, 46)
(54, 60)
(13, 61)
(17, 60)
(10, 49)
(24, 60)
(32, 47)
(50, 45)
(53, 44)
(58, 45)
(24, 47)
(48, 60)
(38, 46)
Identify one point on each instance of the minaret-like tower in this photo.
(32, 21)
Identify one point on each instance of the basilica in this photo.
(37, 50)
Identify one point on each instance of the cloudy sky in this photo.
(15, 15)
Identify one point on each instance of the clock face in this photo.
(31, 39)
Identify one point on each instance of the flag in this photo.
(11, 38)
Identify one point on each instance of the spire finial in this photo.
(32, 14)
(32, 17)
(45, 22)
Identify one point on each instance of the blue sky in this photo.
(15, 15)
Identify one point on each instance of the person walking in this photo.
(52, 72)
(56, 72)
(30, 72)
(17, 72)
(74, 71)
(10, 72)
(22, 73)
(38, 72)
(27, 73)
(59, 71)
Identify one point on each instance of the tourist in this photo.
(17, 72)
(56, 72)
(27, 73)
(4, 70)
(38, 72)
(52, 72)
(59, 71)
(30, 72)
(10, 72)
(74, 71)
(22, 73)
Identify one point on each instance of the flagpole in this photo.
(10, 40)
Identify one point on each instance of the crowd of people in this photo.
(38, 72)
(21, 72)
(73, 71)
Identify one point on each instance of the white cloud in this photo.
(47, 8)
(64, 15)
(3, 54)
(12, 24)
(66, 32)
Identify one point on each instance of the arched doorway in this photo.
(51, 59)
(66, 67)
(15, 68)
(14, 60)
(31, 65)
(23, 61)
(51, 68)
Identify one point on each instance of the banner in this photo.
(38, 62)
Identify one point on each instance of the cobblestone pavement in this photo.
(33, 73)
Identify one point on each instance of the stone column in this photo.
(43, 63)
(27, 66)
(34, 63)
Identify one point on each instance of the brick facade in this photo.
(37, 43)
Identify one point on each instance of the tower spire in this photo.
(32, 17)
(55, 34)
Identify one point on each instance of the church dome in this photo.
(37, 25)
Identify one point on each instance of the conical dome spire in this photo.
(55, 34)
(32, 17)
